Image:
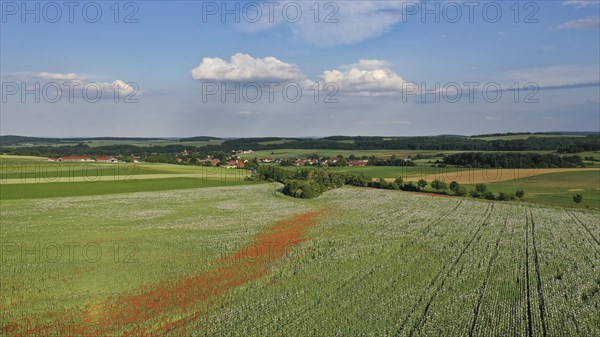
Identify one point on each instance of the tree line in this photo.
(307, 184)
(443, 143)
(512, 160)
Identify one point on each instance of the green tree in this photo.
(578, 198)
(399, 181)
(439, 185)
(489, 196)
(410, 187)
(503, 196)
(520, 194)
(461, 191)
(383, 184)
(422, 183)
(453, 186)
(481, 189)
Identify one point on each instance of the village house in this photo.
(304, 162)
(76, 158)
(358, 162)
(235, 164)
(209, 159)
(106, 159)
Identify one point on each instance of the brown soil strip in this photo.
(155, 310)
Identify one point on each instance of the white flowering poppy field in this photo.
(248, 261)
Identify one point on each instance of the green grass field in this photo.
(555, 189)
(79, 188)
(247, 261)
(172, 250)
(35, 177)
(36, 169)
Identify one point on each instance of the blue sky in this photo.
(375, 59)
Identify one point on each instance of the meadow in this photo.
(37, 169)
(248, 261)
(35, 177)
(555, 189)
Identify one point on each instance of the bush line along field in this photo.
(354, 261)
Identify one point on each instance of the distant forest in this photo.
(560, 144)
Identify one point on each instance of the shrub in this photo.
(489, 196)
(503, 196)
(410, 187)
(358, 180)
(302, 189)
(474, 194)
(453, 186)
(461, 191)
(480, 189)
(439, 185)
(457, 189)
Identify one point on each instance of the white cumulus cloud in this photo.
(365, 78)
(243, 67)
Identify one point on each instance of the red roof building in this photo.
(358, 162)
(75, 158)
(106, 159)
